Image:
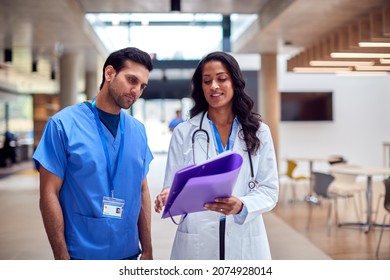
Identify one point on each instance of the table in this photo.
(368, 172)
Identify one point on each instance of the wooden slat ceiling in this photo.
(371, 27)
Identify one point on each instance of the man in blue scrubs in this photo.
(178, 119)
(93, 159)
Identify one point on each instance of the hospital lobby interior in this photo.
(52, 53)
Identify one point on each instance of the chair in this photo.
(345, 185)
(322, 182)
(293, 180)
(376, 210)
(380, 197)
(386, 205)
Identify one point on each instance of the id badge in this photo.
(113, 207)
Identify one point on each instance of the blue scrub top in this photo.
(71, 148)
(175, 122)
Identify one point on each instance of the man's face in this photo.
(126, 86)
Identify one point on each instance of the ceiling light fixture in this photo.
(384, 61)
(175, 5)
(52, 75)
(372, 68)
(359, 55)
(340, 63)
(7, 55)
(116, 21)
(321, 69)
(34, 66)
(362, 73)
(374, 44)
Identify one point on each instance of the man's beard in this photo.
(124, 101)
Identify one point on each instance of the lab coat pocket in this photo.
(255, 248)
(185, 246)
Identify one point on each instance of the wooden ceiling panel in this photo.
(371, 27)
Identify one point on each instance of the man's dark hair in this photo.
(118, 59)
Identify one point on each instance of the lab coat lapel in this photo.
(239, 145)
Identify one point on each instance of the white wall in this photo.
(361, 115)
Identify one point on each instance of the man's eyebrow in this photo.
(132, 76)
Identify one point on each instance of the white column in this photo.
(91, 86)
(269, 105)
(70, 67)
(1, 51)
(91, 76)
(21, 47)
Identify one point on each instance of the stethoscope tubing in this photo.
(252, 183)
(200, 129)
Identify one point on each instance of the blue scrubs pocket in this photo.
(101, 238)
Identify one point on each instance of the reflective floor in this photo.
(349, 242)
(22, 236)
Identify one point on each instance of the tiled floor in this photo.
(22, 236)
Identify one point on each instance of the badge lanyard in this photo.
(222, 219)
(111, 175)
(218, 139)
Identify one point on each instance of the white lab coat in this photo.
(197, 237)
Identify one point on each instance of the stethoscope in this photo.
(252, 182)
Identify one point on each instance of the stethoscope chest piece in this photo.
(252, 184)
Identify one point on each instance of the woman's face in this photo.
(217, 85)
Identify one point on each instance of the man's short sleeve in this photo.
(51, 152)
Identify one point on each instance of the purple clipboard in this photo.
(195, 185)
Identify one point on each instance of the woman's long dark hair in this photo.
(242, 103)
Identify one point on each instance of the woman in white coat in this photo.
(233, 227)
